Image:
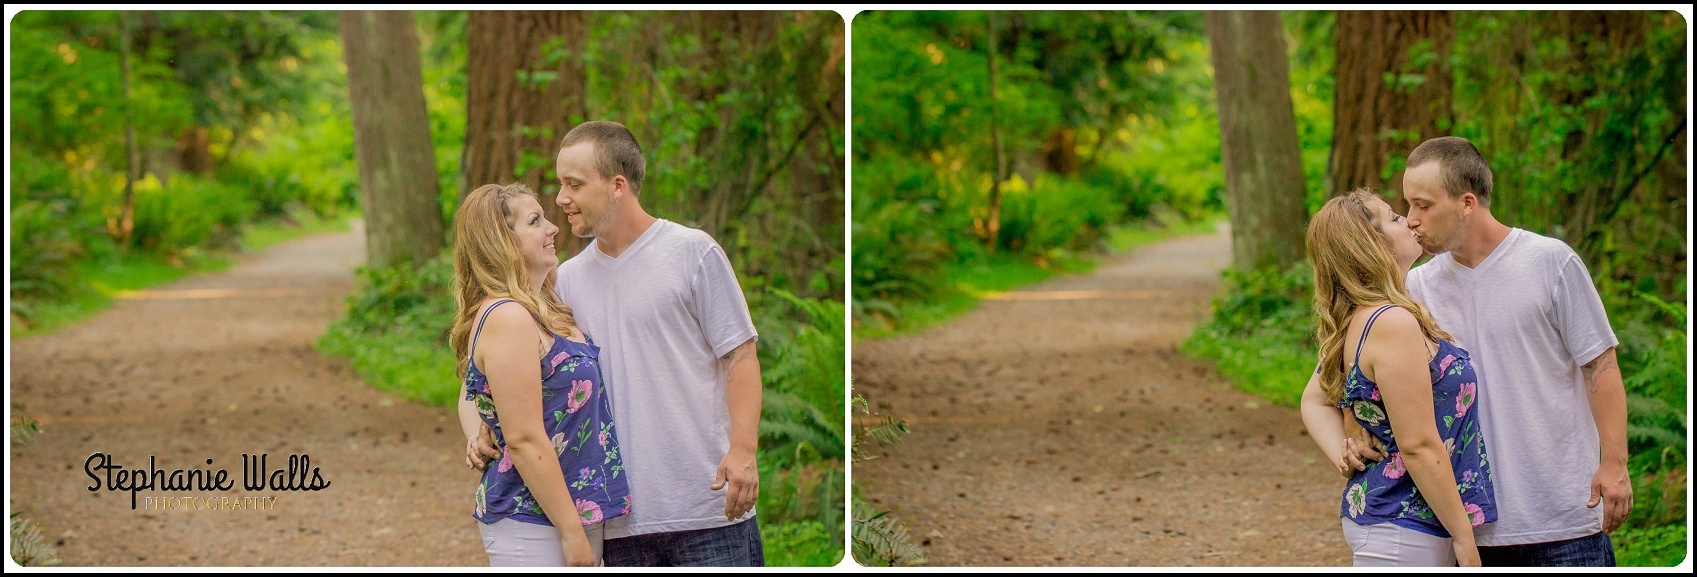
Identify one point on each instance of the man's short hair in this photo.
(1461, 165)
(616, 150)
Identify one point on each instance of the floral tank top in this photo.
(1385, 492)
(578, 417)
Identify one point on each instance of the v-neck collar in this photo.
(641, 240)
(1490, 260)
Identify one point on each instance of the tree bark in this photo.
(1377, 119)
(1061, 151)
(397, 169)
(126, 219)
(524, 91)
(993, 228)
(1259, 147)
(194, 150)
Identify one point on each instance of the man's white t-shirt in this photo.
(1530, 317)
(663, 313)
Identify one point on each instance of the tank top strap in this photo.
(1368, 327)
(471, 355)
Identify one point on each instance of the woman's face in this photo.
(1395, 230)
(535, 235)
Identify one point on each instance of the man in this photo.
(679, 360)
(1552, 399)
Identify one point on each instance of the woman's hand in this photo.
(576, 546)
(1466, 553)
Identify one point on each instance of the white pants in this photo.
(1390, 545)
(512, 543)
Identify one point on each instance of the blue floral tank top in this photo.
(1385, 492)
(578, 416)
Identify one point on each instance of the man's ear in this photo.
(621, 186)
(1469, 202)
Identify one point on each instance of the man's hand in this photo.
(1359, 448)
(739, 471)
(1613, 489)
(481, 449)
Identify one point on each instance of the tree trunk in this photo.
(397, 169)
(993, 228)
(1393, 92)
(126, 219)
(524, 91)
(194, 150)
(1061, 151)
(1259, 147)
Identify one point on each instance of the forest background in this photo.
(149, 145)
(992, 150)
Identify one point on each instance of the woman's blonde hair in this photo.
(487, 263)
(1353, 266)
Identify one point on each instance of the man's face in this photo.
(1435, 218)
(587, 199)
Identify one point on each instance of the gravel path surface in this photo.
(1060, 426)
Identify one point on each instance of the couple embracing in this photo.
(611, 401)
(1474, 401)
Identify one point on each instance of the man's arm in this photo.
(1611, 486)
(741, 368)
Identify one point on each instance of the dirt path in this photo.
(1061, 426)
(215, 366)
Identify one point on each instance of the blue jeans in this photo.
(1591, 551)
(729, 546)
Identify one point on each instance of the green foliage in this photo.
(1658, 546)
(879, 539)
(741, 122)
(924, 157)
(187, 213)
(396, 331)
(28, 548)
(801, 428)
(1260, 332)
(801, 544)
(267, 89)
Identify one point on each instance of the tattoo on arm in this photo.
(1602, 363)
(737, 355)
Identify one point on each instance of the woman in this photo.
(1385, 362)
(535, 380)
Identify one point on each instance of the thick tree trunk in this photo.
(397, 169)
(1386, 102)
(993, 228)
(1259, 147)
(524, 91)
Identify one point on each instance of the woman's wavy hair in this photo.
(1353, 266)
(487, 263)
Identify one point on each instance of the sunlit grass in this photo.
(965, 282)
(99, 279)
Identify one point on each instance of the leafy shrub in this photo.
(396, 331)
(1055, 213)
(1261, 332)
(897, 255)
(801, 544)
(187, 212)
(43, 254)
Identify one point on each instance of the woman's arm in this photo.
(1394, 357)
(1325, 424)
(509, 357)
(469, 423)
(1346, 445)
